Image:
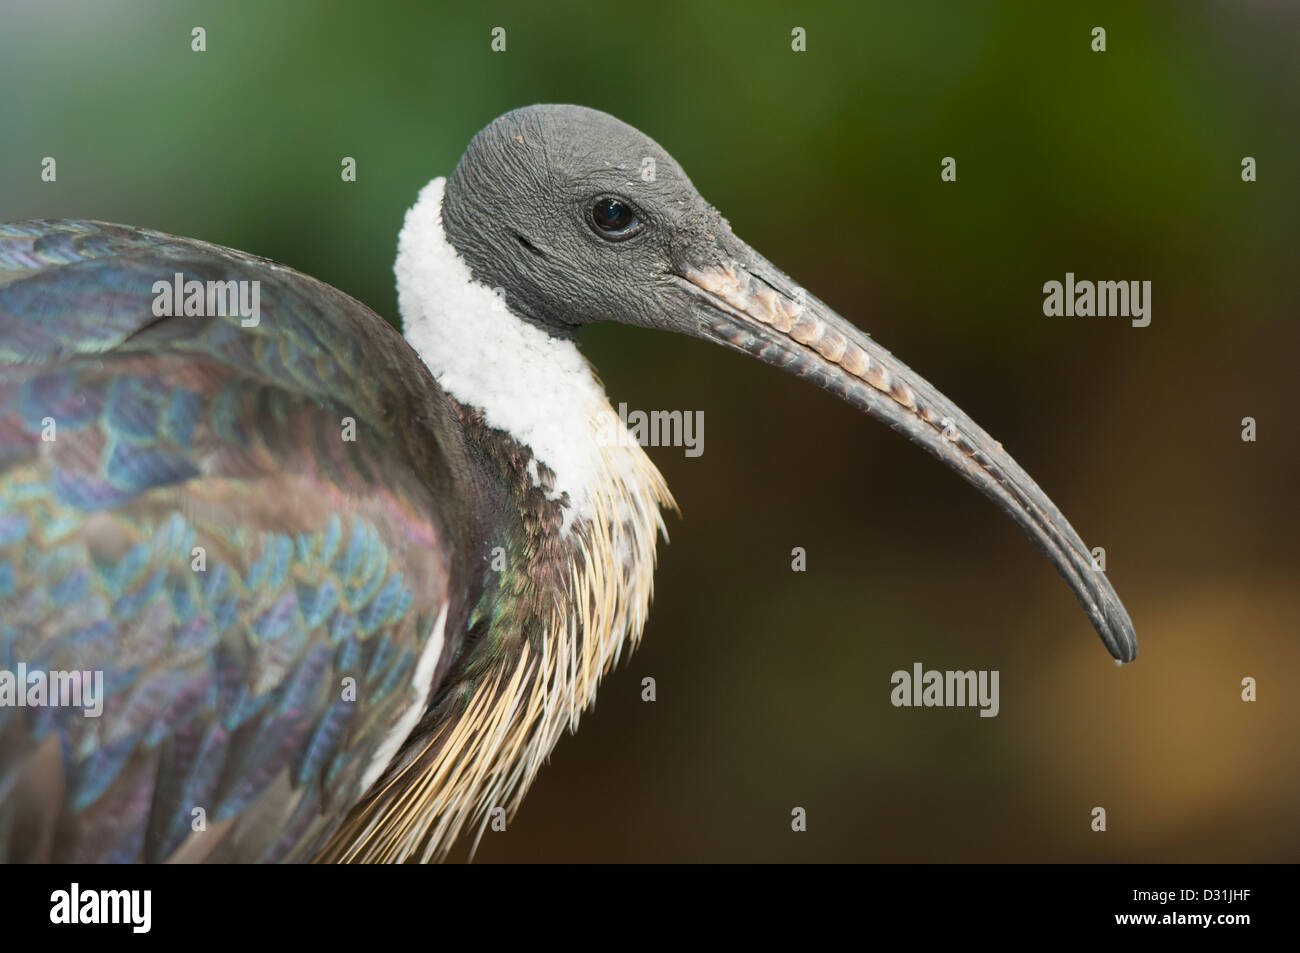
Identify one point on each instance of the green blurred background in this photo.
(773, 686)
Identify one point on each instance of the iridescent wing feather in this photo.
(244, 529)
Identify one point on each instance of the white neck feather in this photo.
(537, 388)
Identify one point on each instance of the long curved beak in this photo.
(747, 304)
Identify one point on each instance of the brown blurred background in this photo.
(773, 686)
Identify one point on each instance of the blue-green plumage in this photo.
(179, 509)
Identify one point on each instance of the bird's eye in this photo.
(614, 218)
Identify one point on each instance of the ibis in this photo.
(340, 589)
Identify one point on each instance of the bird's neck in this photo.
(557, 627)
(535, 387)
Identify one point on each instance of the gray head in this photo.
(580, 217)
(550, 203)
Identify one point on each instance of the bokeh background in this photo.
(773, 686)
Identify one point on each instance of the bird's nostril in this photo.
(529, 245)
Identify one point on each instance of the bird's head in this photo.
(578, 217)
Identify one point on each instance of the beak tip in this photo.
(1117, 632)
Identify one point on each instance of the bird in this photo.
(346, 586)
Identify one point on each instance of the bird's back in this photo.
(259, 537)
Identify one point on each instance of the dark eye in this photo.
(613, 218)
